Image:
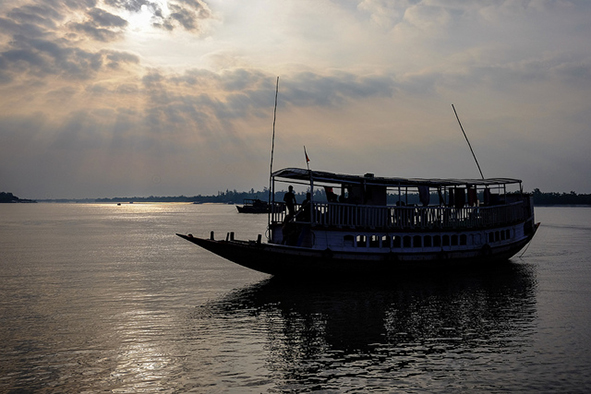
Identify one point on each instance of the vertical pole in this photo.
(271, 191)
(466, 137)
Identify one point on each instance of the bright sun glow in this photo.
(140, 21)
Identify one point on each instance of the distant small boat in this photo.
(254, 206)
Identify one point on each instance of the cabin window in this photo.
(349, 240)
(385, 241)
(454, 240)
(502, 235)
(496, 236)
(476, 239)
(463, 239)
(437, 240)
(445, 240)
(417, 241)
(374, 241)
(508, 234)
(396, 241)
(361, 241)
(407, 241)
(427, 241)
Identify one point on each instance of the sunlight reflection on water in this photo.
(106, 298)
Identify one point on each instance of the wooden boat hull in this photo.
(292, 260)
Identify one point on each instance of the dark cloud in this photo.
(307, 89)
(39, 57)
(184, 13)
(35, 15)
(12, 27)
(241, 79)
(103, 18)
(101, 25)
(41, 43)
(115, 59)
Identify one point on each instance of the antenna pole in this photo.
(271, 191)
(466, 137)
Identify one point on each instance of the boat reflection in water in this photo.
(444, 330)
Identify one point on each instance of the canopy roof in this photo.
(368, 179)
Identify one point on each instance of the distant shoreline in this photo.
(9, 198)
(541, 199)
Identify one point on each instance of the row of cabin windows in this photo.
(496, 236)
(419, 241)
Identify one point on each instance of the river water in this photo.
(105, 298)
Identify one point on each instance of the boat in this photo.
(381, 225)
(254, 206)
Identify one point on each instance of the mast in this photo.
(271, 185)
(466, 137)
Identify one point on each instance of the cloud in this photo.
(44, 40)
(185, 14)
(311, 89)
(385, 13)
(37, 58)
(101, 25)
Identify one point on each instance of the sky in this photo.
(105, 98)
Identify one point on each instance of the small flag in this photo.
(307, 158)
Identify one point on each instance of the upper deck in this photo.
(366, 202)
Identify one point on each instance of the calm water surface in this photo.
(105, 298)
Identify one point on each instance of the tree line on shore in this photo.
(11, 198)
(236, 197)
(572, 198)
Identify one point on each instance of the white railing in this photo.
(402, 217)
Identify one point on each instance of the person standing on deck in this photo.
(290, 201)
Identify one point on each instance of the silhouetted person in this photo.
(305, 211)
(290, 201)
